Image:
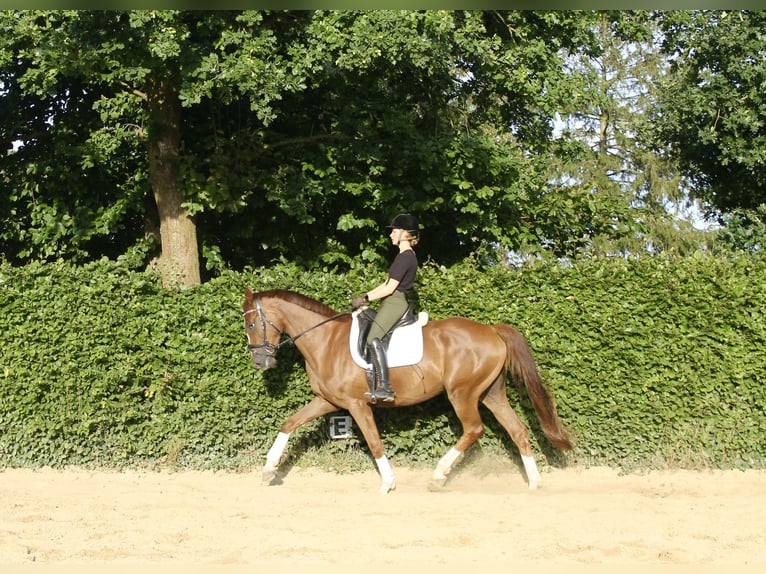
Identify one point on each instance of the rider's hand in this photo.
(357, 302)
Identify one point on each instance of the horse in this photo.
(470, 361)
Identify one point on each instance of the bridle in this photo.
(269, 347)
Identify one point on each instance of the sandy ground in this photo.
(205, 520)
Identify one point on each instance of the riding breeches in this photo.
(391, 310)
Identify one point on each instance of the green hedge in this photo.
(652, 362)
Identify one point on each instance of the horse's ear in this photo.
(248, 294)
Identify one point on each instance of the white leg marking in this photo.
(386, 474)
(444, 466)
(533, 476)
(276, 450)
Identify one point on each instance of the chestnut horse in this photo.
(467, 360)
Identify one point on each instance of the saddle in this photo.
(367, 316)
(403, 342)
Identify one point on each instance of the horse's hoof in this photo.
(268, 476)
(437, 484)
(534, 484)
(386, 487)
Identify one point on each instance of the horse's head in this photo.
(262, 335)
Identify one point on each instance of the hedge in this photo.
(653, 363)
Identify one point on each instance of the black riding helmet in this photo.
(406, 221)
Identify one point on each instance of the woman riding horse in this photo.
(405, 234)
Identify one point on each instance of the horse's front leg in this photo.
(365, 420)
(314, 409)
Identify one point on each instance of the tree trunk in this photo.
(179, 261)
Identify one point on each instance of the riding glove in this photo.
(357, 302)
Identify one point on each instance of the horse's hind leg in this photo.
(314, 409)
(467, 410)
(497, 402)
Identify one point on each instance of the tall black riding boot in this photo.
(383, 390)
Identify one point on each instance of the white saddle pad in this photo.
(405, 348)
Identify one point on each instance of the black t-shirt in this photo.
(403, 269)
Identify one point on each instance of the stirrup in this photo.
(385, 395)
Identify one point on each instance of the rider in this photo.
(405, 234)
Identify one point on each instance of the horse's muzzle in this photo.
(263, 360)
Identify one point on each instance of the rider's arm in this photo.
(383, 290)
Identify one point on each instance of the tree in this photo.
(123, 79)
(711, 115)
(617, 188)
(55, 203)
(445, 113)
(284, 134)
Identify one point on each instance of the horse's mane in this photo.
(301, 300)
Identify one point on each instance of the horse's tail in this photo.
(522, 367)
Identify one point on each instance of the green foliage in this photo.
(744, 230)
(711, 115)
(653, 362)
(299, 132)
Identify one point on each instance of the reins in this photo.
(333, 318)
(265, 320)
